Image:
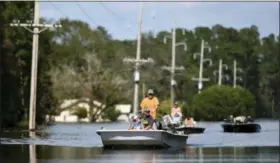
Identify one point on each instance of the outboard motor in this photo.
(166, 120)
(169, 124)
(158, 125)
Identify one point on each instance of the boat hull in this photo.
(141, 139)
(246, 128)
(190, 130)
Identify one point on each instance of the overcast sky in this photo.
(120, 18)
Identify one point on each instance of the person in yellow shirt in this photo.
(150, 102)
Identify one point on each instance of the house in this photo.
(69, 106)
(125, 110)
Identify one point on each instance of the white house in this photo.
(68, 106)
(125, 110)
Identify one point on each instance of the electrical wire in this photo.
(115, 14)
(57, 9)
(86, 14)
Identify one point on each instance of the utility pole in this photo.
(173, 62)
(143, 90)
(200, 79)
(220, 72)
(35, 25)
(235, 69)
(137, 62)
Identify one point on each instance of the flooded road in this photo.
(67, 143)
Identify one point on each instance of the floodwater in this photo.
(71, 143)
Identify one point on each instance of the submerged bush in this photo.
(80, 112)
(112, 114)
(218, 102)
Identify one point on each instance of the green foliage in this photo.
(218, 102)
(112, 114)
(80, 112)
(165, 107)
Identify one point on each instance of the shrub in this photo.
(165, 107)
(80, 112)
(112, 114)
(218, 102)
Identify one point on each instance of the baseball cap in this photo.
(150, 91)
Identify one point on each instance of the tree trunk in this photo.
(91, 106)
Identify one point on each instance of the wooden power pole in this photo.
(35, 25)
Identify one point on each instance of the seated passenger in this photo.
(249, 119)
(147, 121)
(169, 122)
(239, 119)
(189, 122)
(229, 119)
(136, 123)
(176, 113)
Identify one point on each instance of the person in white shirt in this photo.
(176, 112)
(136, 123)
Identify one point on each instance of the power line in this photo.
(113, 13)
(86, 14)
(57, 9)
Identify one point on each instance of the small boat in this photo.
(179, 127)
(182, 129)
(240, 124)
(241, 127)
(141, 139)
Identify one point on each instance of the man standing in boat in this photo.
(151, 102)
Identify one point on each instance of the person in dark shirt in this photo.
(148, 120)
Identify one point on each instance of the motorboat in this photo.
(241, 124)
(141, 139)
(179, 127)
(241, 127)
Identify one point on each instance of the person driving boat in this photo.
(151, 102)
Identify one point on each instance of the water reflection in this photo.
(54, 154)
(84, 145)
(32, 154)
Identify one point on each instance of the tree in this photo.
(269, 70)
(217, 102)
(16, 52)
(16, 47)
(91, 81)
